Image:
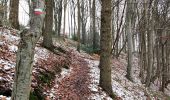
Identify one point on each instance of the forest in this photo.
(84, 49)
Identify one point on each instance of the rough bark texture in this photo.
(129, 36)
(13, 15)
(25, 55)
(105, 46)
(47, 34)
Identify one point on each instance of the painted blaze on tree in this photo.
(25, 54)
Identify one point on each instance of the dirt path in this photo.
(75, 85)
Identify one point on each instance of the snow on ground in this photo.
(64, 73)
(4, 97)
(8, 49)
(121, 86)
(98, 94)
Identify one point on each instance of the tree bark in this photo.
(64, 22)
(78, 31)
(129, 36)
(83, 23)
(94, 25)
(105, 46)
(47, 34)
(13, 15)
(25, 55)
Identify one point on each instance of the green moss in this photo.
(113, 96)
(46, 78)
(33, 96)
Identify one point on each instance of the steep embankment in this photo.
(46, 66)
(70, 75)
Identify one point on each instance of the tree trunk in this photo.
(47, 34)
(78, 31)
(13, 15)
(94, 25)
(25, 55)
(64, 22)
(59, 18)
(105, 46)
(129, 36)
(150, 35)
(83, 23)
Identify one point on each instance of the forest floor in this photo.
(71, 75)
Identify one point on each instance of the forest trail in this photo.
(79, 82)
(75, 85)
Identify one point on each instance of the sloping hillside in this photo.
(70, 75)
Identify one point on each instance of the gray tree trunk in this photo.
(78, 31)
(83, 23)
(129, 36)
(64, 22)
(25, 55)
(94, 25)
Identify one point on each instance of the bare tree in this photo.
(25, 54)
(78, 20)
(105, 46)
(13, 15)
(48, 26)
(129, 36)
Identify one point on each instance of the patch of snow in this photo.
(8, 98)
(1, 78)
(13, 48)
(1, 43)
(121, 86)
(64, 73)
(7, 64)
(98, 96)
(5, 98)
(10, 37)
(6, 67)
(95, 76)
(41, 53)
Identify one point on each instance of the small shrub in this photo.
(74, 37)
(90, 49)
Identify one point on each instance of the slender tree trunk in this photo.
(47, 34)
(65, 7)
(90, 37)
(13, 15)
(78, 31)
(59, 18)
(94, 25)
(129, 36)
(25, 55)
(83, 23)
(105, 46)
(150, 35)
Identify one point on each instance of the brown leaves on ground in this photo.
(75, 86)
